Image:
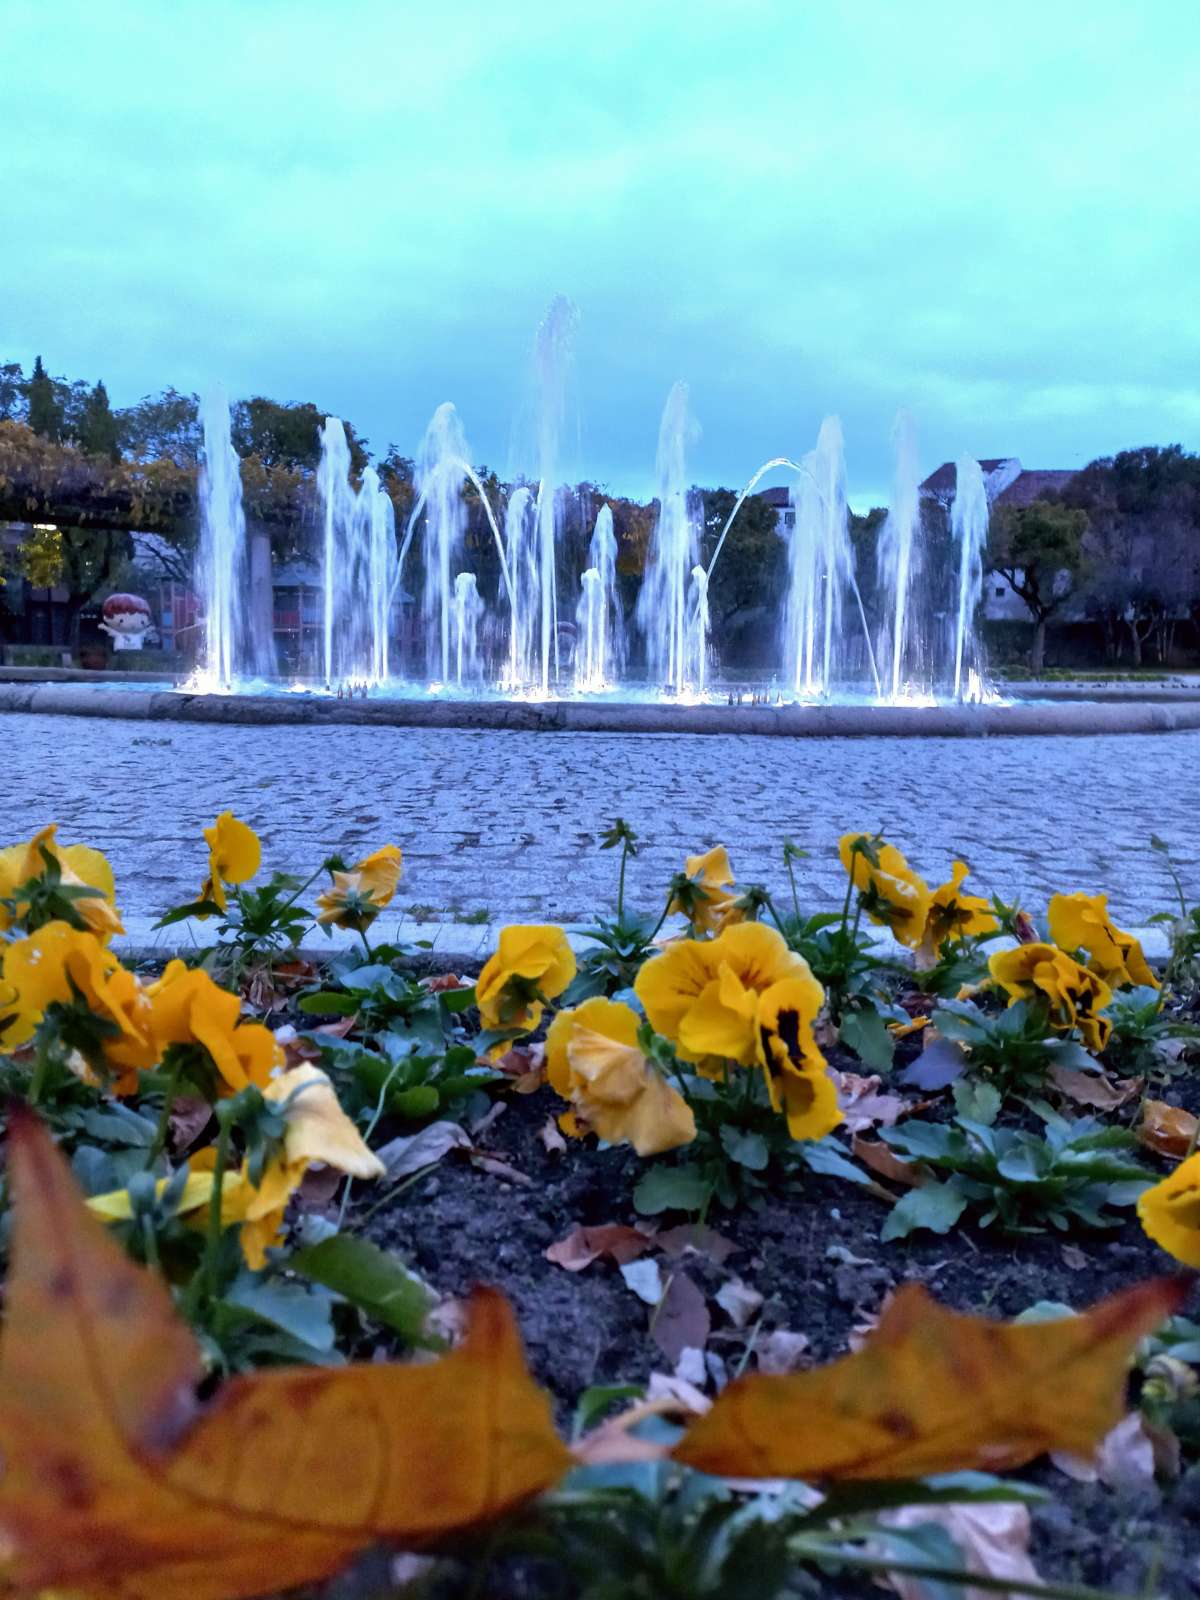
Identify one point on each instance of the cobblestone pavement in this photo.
(507, 823)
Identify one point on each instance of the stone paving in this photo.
(504, 825)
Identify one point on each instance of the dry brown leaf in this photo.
(119, 1483)
(881, 1158)
(993, 1539)
(782, 1351)
(1168, 1129)
(681, 1320)
(411, 1152)
(1094, 1088)
(697, 1236)
(582, 1246)
(863, 1106)
(1124, 1458)
(552, 1140)
(933, 1390)
(740, 1303)
(444, 982)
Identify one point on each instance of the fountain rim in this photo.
(34, 691)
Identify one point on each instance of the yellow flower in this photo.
(59, 963)
(79, 867)
(187, 1007)
(358, 896)
(703, 994)
(318, 1130)
(234, 855)
(1081, 922)
(954, 915)
(1075, 995)
(796, 1073)
(892, 894)
(1170, 1212)
(710, 909)
(532, 963)
(116, 1206)
(593, 1060)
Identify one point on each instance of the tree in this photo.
(287, 435)
(14, 405)
(162, 427)
(98, 430)
(1039, 549)
(749, 574)
(44, 403)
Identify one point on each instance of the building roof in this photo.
(774, 497)
(1029, 486)
(944, 479)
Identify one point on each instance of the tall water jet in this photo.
(552, 358)
(521, 552)
(696, 665)
(377, 518)
(440, 471)
(339, 509)
(600, 651)
(969, 526)
(468, 612)
(221, 556)
(662, 609)
(899, 563)
(820, 566)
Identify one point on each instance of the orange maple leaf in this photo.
(118, 1482)
(932, 1391)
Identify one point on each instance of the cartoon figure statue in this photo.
(126, 620)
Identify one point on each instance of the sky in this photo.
(985, 214)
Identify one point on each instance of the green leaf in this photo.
(369, 1278)
(328, 1003)
(197, 908)
(120, 1125)
(594, 1402)
(295, 1307)
(827, 1158)
(419, 1101)
(936, 1206)
(977, 1101)
(865, 1032)
(747, 1149)
(456, 1000)
(670, 1189)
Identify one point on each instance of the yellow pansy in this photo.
(1075, 995)
(891, 893)
(357, 897)
(711, 908)
(1170, 1212)
(116, 1206)
(954, 915)
(234, 855)
(318, 1130)
(532, 963)
(703, 994)
(1081, 922)
(796, 1072)
(187, 1007)
(56, 965)
(79, 867)
(593, 1060)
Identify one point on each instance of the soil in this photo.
(815, 1256)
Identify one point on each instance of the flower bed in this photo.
(703, 1157)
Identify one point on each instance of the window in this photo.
(999, 591)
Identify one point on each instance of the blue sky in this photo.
(985, 213)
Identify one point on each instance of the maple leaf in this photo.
(118, 1482)
(932, 1391)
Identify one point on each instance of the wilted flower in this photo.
(78, 867)
(533, 963)
(593, 1060)
(1075, 996)
(954, 915)
(704, 899)
(890, 892)
(188, 1008)
(1170, 1212)
(109, 1017)
(234, 855)
(358, 896)
(1081, 922)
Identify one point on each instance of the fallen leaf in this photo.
(1168, 1129)
(938, 1065)
(881, 1158)
(645, 1279)
(933, 1390)
(552, 1140)
(189, 1118)
(489, 1119)
(525, 1064)
(695, 1236)
(682, 1318)
(1124, 1458)
(781, 1351)
(739, 1302)
(582, 1246)
(118, 1482)
(496, 1168)
(410, 1153)
(690, 1368)
(670, 1386)
(863, 1106)
(993, 1541)
(1075, 1258)
(1094, 1088)
(444, 982)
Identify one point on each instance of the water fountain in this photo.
(552, 358)
(600, 652)
(439, 481)
(662, 608)
(969, 526)
(221, 553)
(899, 565)
(468, 613)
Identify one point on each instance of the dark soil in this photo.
(815, 1255)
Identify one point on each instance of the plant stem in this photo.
(37, 1079)
(170, 1090)
(791, 872)
(203, 1284)
(367, 1132)
(621, 881)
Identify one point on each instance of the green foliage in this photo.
(287, 435)
(1015, 1047)
(1019, 1180)
(99, 433)
(44, 409)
